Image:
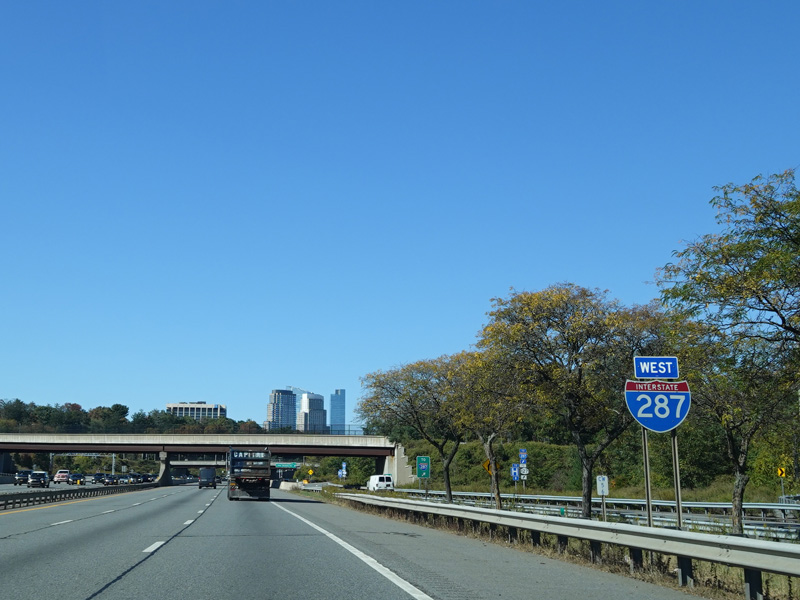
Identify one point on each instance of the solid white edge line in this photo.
(404, 585)
(154, 547)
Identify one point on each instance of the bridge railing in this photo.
(752, 556)
(192, 428)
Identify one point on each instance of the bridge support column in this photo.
(6, 462)
(165, 474)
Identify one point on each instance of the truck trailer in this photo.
(250, 473)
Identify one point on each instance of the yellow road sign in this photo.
(781, 472)
(311, 471)
(486, 466)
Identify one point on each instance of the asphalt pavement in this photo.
(181, 543)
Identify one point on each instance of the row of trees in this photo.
(555, 361)
(17, 416)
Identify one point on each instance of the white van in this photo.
(380, 482)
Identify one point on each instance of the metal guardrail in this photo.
(787, 509)
(46, 496)
(773, 520)
(753, 556)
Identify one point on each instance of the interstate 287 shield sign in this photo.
(659, 406)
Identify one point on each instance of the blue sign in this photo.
(515, 472)
(659, 406)
(653, 367)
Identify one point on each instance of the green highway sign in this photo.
(285, 465)
(424, 466)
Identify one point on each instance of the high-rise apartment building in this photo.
(281, 409)
(312, 416)
(198, 410)
(338, 426)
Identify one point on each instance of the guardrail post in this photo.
(636, 558)
(686, 572)
(595, 549)
(752, 585)
(562, 543)
(536, 538)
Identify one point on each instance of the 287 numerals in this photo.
(660, 405)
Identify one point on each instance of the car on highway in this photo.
(39, 479)
(147, 477)
(61, 476)
(98, 477)
(76, 479)
(124, 478)
(110, 479)
(21, 477)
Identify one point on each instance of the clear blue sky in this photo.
(204, 201)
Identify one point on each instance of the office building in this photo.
(338, 425)
(281, 410)
(312, 417)
(198, 410)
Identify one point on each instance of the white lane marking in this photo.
(199, 512)
(189, 522)
(209, 504)
(105, 512)
(62, 522)
(404, 585)
(136, 503)
(155, 546)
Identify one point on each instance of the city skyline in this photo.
(313, 404)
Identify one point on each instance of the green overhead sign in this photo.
(285, 465)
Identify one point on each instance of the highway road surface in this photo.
(183, 543)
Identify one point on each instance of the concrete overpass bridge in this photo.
(389, 457)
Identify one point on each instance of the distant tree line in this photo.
(550, 366)
(17, 416)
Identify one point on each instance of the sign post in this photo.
(659, 406)
(523, 466)
(602, 490)
(515, 475)
(424, 470)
